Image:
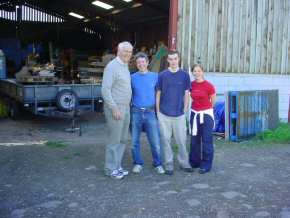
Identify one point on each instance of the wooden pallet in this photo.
(36, 79)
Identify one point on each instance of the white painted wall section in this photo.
(242, 82)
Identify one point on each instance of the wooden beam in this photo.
(173, 18)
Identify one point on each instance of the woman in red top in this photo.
(201, 121)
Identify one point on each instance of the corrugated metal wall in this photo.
(28, 12)
(236, 36)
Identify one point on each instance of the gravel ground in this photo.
(37, 180)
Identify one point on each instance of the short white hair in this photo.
(125, 44)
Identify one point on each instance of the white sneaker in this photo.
(116, 174)
(160, 170)
(124, 172)
(137, 168)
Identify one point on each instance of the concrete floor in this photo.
(41, 181)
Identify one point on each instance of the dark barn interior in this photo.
(53, 43)
(142, 22)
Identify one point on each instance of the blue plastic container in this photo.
(3, 74)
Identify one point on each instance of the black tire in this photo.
(67, 100)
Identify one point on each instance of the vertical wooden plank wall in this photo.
(235, 36)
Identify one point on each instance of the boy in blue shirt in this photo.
(143, 114)
(172, 100)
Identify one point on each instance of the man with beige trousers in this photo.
(116, 92)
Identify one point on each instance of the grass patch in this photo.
(268, 138)
(67, 157)
(175, 148)
(56, 144)
(279, 135)
(77, 154)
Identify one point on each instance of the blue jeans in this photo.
(145, 119)
(201, 146)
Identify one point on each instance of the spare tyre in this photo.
(67, 100)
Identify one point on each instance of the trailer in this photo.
(53, 100)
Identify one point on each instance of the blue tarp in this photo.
(13, 50)
(219, 116)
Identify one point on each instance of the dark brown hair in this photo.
(197, 65)
(141, 55)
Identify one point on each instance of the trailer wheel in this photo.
(67, 100)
